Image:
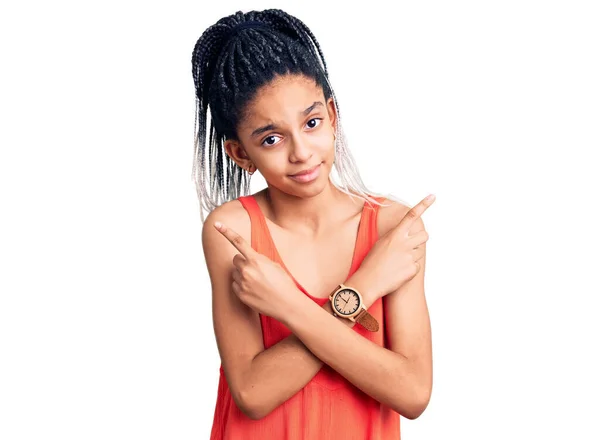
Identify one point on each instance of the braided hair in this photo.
(231, 60)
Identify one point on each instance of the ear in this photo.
(331, 111)
(235, 150)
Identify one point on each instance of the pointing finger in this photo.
(235, 239)
(416, 212)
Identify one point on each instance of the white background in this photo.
(105, 318)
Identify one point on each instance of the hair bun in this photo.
(250, 24)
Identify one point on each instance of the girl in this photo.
(317, 354)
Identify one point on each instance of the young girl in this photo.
(342, 347)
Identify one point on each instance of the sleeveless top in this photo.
(329, 407)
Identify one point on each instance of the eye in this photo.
(315, 119)
(268, 144)
(268, 141)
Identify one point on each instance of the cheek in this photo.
(329, 150)
(274, 165)
(324, 143)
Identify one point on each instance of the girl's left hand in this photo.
(259, 282)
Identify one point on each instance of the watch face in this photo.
(346, 302)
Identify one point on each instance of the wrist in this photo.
(295, 309)
(302, 308)
(329, 309)
(367, 289)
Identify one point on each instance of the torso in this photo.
(329, 398)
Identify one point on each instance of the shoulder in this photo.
(389, 216)
(230, 213)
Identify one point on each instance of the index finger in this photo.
(235, 239)
(416, 212)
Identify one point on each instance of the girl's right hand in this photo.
(394, 258)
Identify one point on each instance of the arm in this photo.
(237, 326)
(399, 377)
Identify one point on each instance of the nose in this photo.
(301, 150)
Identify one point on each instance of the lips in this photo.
(308, 171)
(307, 176)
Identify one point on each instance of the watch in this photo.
(347, 302)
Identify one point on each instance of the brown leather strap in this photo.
(334, 290)
(367, 320)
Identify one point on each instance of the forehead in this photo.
(283, 99)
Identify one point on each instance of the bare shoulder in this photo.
(232, 214)
(390, 216)
(218, 252)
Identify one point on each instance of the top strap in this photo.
(372, 215)
(260, 236)
(368, 231)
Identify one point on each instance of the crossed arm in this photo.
(399, 376)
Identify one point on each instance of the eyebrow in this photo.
(268, 127)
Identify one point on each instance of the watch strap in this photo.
(367, 320)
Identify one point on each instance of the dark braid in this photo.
(228, 70)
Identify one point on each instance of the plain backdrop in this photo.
(105, 313)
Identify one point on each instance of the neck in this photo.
(310, 215)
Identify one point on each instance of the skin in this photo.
(314, 229)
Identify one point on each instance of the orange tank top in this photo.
(329, 407)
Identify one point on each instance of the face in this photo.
(288, 129)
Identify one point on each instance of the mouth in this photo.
(307, 175)
(307, 171)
